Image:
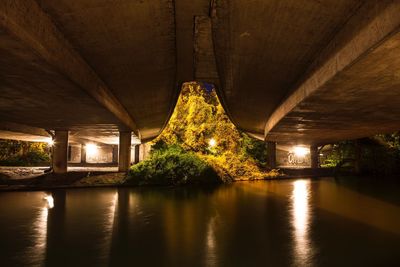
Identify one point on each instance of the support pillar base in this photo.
(124, 156)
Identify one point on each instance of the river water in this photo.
(325, 222)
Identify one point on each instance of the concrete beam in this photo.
(15, 131)
(60, 152)
(205, 67)
(374, 23)
(27, 21)
(185, 12)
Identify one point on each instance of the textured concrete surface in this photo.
(263, 48)
(352, 89)
(286, 70)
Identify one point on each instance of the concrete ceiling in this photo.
(285, 70)
(263, 47)
(352, 89)
(131, 47)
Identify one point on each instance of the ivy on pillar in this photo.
(60, 151)
(124, 156)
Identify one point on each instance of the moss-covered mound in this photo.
(172, 166)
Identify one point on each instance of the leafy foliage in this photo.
(379, 155)
(199, 118)
(340, 151)
(171, 165)
(21, 153)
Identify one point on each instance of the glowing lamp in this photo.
(91, 149)
(50, 142)
(301, 151)
(212, 142)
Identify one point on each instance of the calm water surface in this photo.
(301, 222)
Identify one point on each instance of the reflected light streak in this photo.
(301, 222)
(211, 256)
(109, 225)
(37, 251)
(50, 201)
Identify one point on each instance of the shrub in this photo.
(21, 153)
(172, 166)
(31, 158)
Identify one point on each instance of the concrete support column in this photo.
(271, 153)
(83, 153)
(60, 151)
(124, 156)
(115, 154)
(314, 156)
(136, 151)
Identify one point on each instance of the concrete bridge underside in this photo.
(297, 71)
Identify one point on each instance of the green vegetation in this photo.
(172, 166)
(200, 144)
(21, 153)
(379, 155)
(340, 152)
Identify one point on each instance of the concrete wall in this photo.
(104, 154)
(286, 158)
(74, 153)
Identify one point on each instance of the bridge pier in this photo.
(271, 153)
(83, 153)
(124, 156)
(136, 154)
(314, 155)
(60, 152)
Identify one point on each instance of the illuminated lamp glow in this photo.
(301, 151)
(212, 142)
(91, 149)
(50, 142)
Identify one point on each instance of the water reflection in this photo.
(108, 226)
(301, 222)
(50, 201)
(279, 223)
(37, 252)
(211, 254)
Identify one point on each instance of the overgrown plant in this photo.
(201, 128)
(22, 153)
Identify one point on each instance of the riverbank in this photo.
(87, 179)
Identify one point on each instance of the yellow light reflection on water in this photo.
(301, 222)
(110, 213)
(50, 201)
(211, 253)
(37, 252)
